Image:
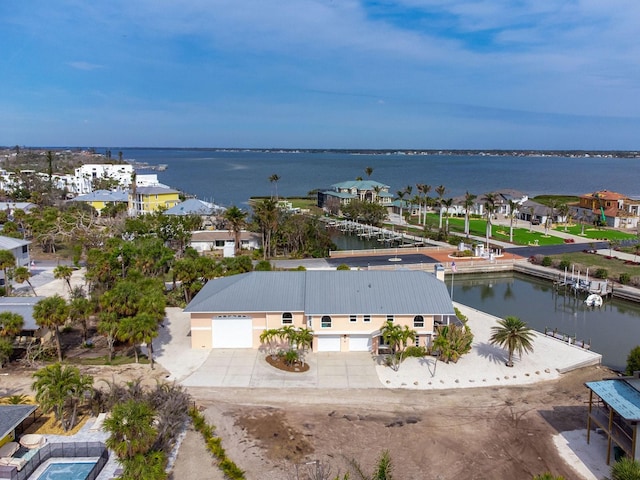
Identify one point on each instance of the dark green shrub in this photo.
(633, 360)
(343, 266)
(625, 278)
(564, 264)
(263, 266)
(601, 273)
(414, 351)
(546, 262)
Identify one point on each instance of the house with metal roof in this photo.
(11, 418)
(343, 193)
(223, 241)
(345, 309)
(151, 199)
(101, 198)
(193, 206)
(614, 408)
(20, 250)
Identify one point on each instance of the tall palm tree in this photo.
(514, 335)
(236, 219)
(490, 200)
(563, 210)
(80, 308)
(401, 194)
(266, 215)
(63, 272)
(274, 179)
(424, 189)
(52, 313)
(368, 171)
(7, 262)
(513, 209)
(440, 190)
(447, 203)
(468, 202)
(21, 275)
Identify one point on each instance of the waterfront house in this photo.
(614, 408)
(340, 194)
(151, 199)
(12, 418)
(101, 198)
(610, 208)
(222, 242)
(23, 306)
(345, 309)
(20, 250)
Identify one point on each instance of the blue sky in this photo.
(554, 74)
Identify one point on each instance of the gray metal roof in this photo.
(252, 292)
(154, 190)
(23, 306)
(326, 292)
(193, 205)
(12, 415)
(9, 243)
(102, 196)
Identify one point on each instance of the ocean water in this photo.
(231, 178)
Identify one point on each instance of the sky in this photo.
(405, 74)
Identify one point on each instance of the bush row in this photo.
(214, 444)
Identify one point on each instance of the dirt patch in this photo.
(502, 433)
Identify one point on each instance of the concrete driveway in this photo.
(248, 368)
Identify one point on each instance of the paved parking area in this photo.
(248, 368)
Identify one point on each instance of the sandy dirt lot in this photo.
(477, 433)
(502, 433)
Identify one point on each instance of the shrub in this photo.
(343, 266)
(625, 278)
(633, 360)
(461, 316)
(414, 351)
(601, 273)
(263, 266)
(564, 264)
(546, 262)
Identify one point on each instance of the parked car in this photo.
(535, 221)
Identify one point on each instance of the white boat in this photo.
(593, 300)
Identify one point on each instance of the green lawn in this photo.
(597, 233)
(614, 266)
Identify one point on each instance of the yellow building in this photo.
(152, 199)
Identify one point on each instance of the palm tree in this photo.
(397, 337)
(514, 335)
(447, 205)
(21, 275)
(468, 202)
(424, 190)
(52, 313)
(266, 215)
(268, 337)
(63, 272)
(401, 194)
(368, 171)
(513, 209)
(236, 219)
(440, 190)
(7, 261)
(130, 428)
(59, 388)
(108, 325)
(274, 179)
(563, 210)
(490, 200)
(80, 309)
(10, 324)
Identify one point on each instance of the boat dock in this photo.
(382, 235)
(571, 340)
(584, 285)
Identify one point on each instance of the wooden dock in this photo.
(571, 340)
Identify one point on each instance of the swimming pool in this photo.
(66, 471)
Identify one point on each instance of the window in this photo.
(325, 322)
(353, 318)
(25, 249)
(220, 243)
(418, 321)
(366, 318)
(389, 318)
(287, 318)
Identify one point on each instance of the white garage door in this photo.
(360, 343)
(232, 332)
(329, 344)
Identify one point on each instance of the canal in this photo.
(612, 330)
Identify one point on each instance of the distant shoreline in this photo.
(570, 153)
